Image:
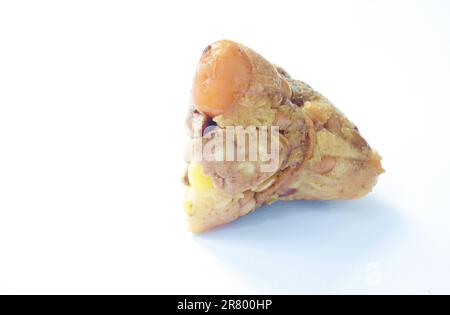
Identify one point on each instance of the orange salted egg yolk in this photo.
(222, 78)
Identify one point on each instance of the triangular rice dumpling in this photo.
(259, 136)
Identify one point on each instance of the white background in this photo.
(93, 96)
